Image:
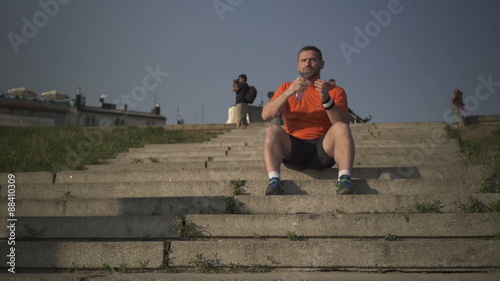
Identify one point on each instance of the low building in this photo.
(34, 112)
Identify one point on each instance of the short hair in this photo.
(331, 80)
(311, 48)
(244, 76)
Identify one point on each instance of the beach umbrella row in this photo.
(25, 93)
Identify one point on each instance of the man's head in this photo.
(332, 81)
(242, 78)
(310, 61)
(311, 48)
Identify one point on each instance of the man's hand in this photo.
(322, 87)
(299, 84)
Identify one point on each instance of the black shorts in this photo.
(309, 154)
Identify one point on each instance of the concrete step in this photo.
(93, 227)
(354, 204)
(402, 171)
(88, 255)
(123, 190)
(450, 144)
(146, 206)
(412, 186)
(347, 225)
(358, 138)
(409, 225)
(255, 161)
(236, 142)
(251, 187)
(374, 126)
(244, 204)
(425, 132)
(394, 141)
(242, 155)
(256, 274)
(341, 254)
(442, 149)
(459, 172)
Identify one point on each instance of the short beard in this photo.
(311, 75)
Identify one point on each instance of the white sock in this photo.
(344, 172)
(274, 174)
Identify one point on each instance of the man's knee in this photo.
(340, 129)
(273, 131)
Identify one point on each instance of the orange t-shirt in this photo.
(307, 119)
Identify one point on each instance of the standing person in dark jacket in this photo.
(241, 87)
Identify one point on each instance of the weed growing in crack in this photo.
(292, 236)
(154, 160)
(201, 264)
(185, 229)
(238, 187)
(434, 207)
(231, 205)
(106, 267)
(474, 206)
(390, 237)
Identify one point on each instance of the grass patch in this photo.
(135, 160)
(484, 150)
(259, 268)
(185, 228)
(29, 149)
(154, 160)
(434, 207)
(238, 187)
(106, 267)
(201, 264)
(451, 132)
(474, 206)
(390, 237)
(292, 236)
(494, 206)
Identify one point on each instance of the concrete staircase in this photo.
(173, 207)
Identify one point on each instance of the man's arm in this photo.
(273, 108)
(335, 113)
(235, 88)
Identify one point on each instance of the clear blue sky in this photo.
(397, 60)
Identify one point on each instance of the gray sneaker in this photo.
(275, 187)
(344, 186)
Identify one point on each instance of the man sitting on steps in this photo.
(316, 132)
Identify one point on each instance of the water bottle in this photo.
(299, 95)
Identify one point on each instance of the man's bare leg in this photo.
(277, 146)
(339, 143)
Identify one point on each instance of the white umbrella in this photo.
(23, 92)
(55, 95)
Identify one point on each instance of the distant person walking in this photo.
(240, 87)
(458, 108)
